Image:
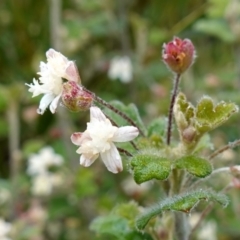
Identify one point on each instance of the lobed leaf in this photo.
(148, 166)
(210, 116)
(195, 165)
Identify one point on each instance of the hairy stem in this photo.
(229, 170)
(224, 148)
(181, 226)
(180, 219)
(125, 152)
(109, 106)
(170, 113)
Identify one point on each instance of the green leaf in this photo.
(157, 131)
(195, 165)
(193, 122)
(204, 143)
(215, 27)
(128, 211)
(184, 112)
(210, 116)
(120, 223)
(157, 127)
(184, 203)
(111, 224)
(147, 166)
(135, 235)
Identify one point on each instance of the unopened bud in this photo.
(178, 54)
(75, 98)
(189, 134)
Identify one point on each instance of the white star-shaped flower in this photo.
(39, 163)
(99, 138)
(51, 79)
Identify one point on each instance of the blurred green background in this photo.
(92, 33)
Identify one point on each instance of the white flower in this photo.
(51, 74)
(39, 163)
(98, 140)
(121, 68)
(5, 228)
(43, 184)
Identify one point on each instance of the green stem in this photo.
(170, 113)
(182, 229)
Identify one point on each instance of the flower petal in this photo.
(45, 101)
(76, 138)
(112, 159)
(86, 161)
(125, 134)
(96, 113)
(54, 104)
(71, 72)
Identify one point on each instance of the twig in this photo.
(109, 106)
(125, 152)
(224, 148)
(230, 170)
(170, 114)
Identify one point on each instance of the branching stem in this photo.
(224, 148)
(109, 106)
(170, 113)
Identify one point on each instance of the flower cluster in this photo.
(98, 139)
(43, 180)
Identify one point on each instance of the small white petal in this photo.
(72, 73)
(76, 138)
(96, 113)
(125, 134)
(112, 159)
(45, 101)
(86, 161)
(54, 103)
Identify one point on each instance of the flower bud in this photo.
(178, 54)
(75, 98)
(189, 134)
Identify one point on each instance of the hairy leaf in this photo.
(149, 166)
(195, 165)
(183, 203)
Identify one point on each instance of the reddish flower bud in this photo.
(75, 98)
(178, 54)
